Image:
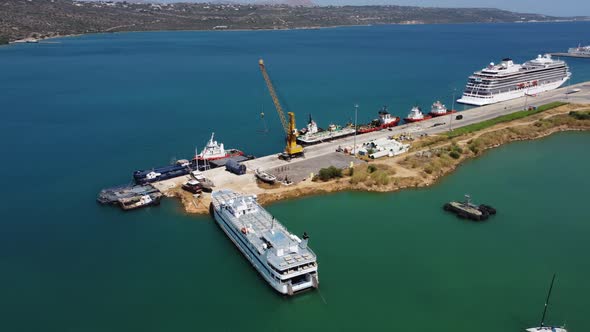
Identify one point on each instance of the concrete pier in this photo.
(324, 155)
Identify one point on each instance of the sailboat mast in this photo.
(547, 302)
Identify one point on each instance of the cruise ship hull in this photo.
(478, 101)
(257, 260)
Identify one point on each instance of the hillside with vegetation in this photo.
(49, 18)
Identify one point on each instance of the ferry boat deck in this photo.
(282, 258)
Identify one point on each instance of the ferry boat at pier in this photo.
(284, 260)
(508, 80)
(416, 115)
(439, 109)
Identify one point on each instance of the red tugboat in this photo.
(386, 120)
(214, 151)
(368, 128)
(416, 115)
(439, 109)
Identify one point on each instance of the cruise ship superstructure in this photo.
(508, 80)
(282, 259)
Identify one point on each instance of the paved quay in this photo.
(324, 155)
(470, 116)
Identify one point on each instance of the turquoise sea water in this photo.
(84, 113)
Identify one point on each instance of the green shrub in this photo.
(329, 173)
(3, 40)
(371, 168)
(457, 148)
(455, 155)
(380, 177)
(428, 170)
(580, 115)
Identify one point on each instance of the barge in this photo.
(113, 195)
(138, 202)
(467, 209)
(130, 197)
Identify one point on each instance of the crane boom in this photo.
(292, 149)
(274, 97)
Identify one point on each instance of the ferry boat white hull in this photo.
(479, 101)
(546, 329)
(257, 260)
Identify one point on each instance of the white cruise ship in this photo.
(508, 80)
(282, 259)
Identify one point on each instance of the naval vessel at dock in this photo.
(282, 259)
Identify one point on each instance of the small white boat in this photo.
(544, 328)
(265, 177)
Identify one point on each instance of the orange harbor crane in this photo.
(292, 149)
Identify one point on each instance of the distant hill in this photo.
(47, 18)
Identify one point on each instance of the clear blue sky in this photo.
(547, 7)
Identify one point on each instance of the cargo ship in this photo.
(312, 134)
(283, 259)
(416, 115)
(439, 109)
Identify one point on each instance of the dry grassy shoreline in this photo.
(431, 159)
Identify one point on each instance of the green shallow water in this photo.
(387, 261)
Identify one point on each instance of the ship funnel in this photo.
(303, 243)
